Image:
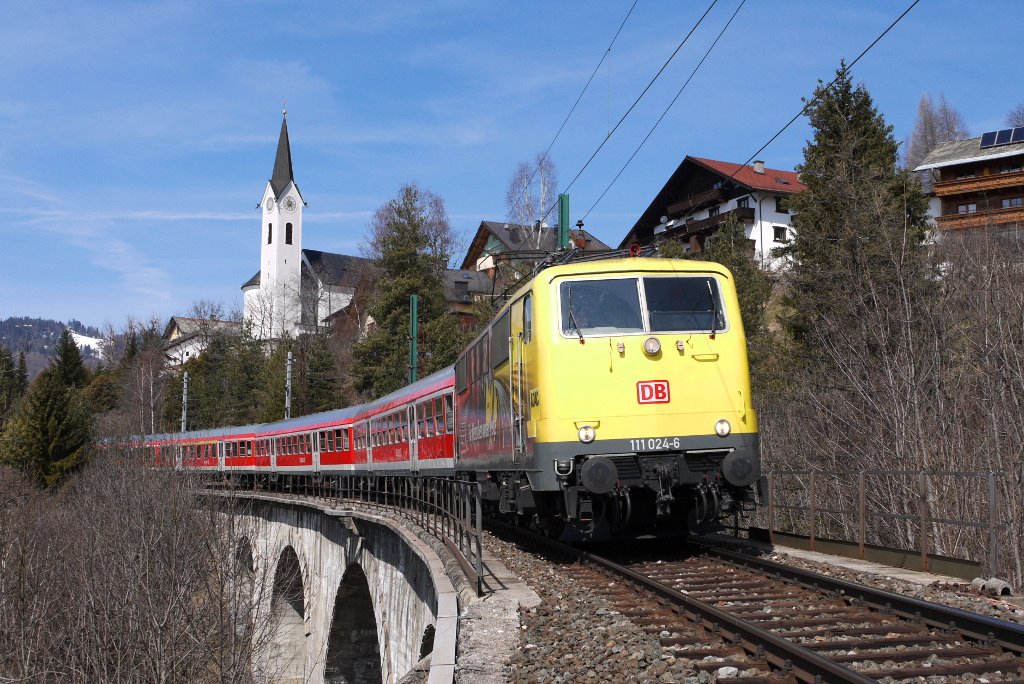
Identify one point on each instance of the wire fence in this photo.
(928, 514)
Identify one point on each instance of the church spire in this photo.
(283, 163)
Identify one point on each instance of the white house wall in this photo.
(762, 231)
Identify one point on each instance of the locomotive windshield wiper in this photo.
(572, 318)
(714, 308)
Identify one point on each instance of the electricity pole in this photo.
(288, 389)
(413, 334)
(184, 403)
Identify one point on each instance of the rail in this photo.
(918, 503)
(447, 509)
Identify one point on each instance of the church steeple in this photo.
(282, 163)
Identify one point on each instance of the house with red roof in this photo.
(703, 193)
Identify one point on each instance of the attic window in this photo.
(783, 181)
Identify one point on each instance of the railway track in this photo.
(765, 622)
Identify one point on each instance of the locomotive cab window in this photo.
(651, 304)
(600, 307)
(684, 304)
(527, 318)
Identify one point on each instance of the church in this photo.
(297, 290)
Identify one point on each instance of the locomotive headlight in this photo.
(587, 434)
(652, 346)
(722, 428)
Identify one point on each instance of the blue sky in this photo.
(137, 137)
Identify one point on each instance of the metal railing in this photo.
(447, 509)
(917, 500)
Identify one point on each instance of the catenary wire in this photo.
(637, 101)
(604, 55)
(823, 90)
(783, 129)
(665, 113)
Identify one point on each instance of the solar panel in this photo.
(1004, 136)
(988, 139)
(1018, 134)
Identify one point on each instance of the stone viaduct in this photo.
(345, 595)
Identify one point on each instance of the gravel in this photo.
(577, 636)
(954, 595)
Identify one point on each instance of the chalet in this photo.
(978, 182)
(186, 338)
(507, 251)
(702, 194)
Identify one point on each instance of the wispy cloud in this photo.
(95, 235)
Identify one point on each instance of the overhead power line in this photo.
(807, 106)
(670, 104)
(604, 55)
(640, 96)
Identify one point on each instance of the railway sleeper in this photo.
(978, 668)
(759, 615)
(914, 654)
(709, 652)
(738, 664)
(739, 599)
(864, 644)
(769, 623)
(894, 628)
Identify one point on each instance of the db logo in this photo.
(652, 392)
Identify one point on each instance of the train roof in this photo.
(310, 422)
(421, 388)
(229, 431)
(630, 264)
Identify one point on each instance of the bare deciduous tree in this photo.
(935, 123)
(532, 192)
(127, 576)
(1015, 117)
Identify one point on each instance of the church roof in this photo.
(340, 270)
(282, 163)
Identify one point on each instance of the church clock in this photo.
(289, 203)
(269, 204)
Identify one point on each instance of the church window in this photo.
(288, 234)
(270, 233)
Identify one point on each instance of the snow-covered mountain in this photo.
(84, 342)
(37, 336)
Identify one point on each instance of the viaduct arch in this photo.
(348, 596)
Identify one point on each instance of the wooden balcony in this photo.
(980, 184)
(710, 224)
(712, 196)
(981, 219)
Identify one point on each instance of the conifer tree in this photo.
(322, 387)
(860, 224)
(9, 393)
(270, 393)
(67, 362)
(22, 374)
(49, 435)
(412, 243)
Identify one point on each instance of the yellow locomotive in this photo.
(611, 398)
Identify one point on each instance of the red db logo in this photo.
(652, 392)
